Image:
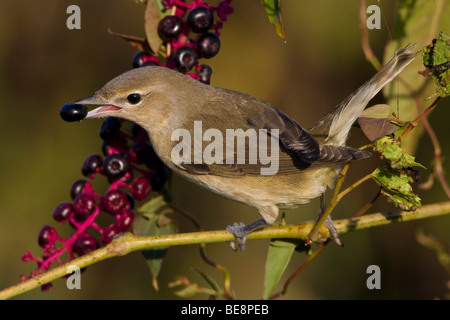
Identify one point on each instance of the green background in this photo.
(44, 65)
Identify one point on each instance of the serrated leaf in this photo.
(436, 57)
(154, 12)
(396, 186)
(152, 222)
(395, 154)
(442, 52)
(273, 10)
(278, 257)
(395, 177)
(415, 22)
(377, 121)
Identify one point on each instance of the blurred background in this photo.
(44, 65)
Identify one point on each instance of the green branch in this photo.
(129, 243)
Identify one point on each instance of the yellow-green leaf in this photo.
(278, 258)
(436, 58)
(273, 10)
(152, 222)
(395, 154)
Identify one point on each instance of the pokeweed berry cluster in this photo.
(124, 156)
(182, 51)
(128, 154)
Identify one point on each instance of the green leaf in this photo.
(396, 176)
(152, 222)
(154, 12)
(278, 258)
(273, 10)
(393, 152)
(396, 186)
(155, 205)
(436, 57)
(416, 21)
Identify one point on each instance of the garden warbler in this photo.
(237, 145)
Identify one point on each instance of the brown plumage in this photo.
(308, 160)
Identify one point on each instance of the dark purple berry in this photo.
(160, 178)
(208, 45)
(109, 128)
(204, 74)
(91, 164)
(139, 152)
(118, 144)
(77, 188)
(126, 220)
(200, 19)
(83, 206)
(184, 59)
(114, 201)
(85, 244)
(141, 188)
(139, 133)
(140, 58)
(63, 211)
(46, 287)
(107, 148)
(109, 233)
(72, 112)
(170, 28)
(115, 166)
(47, 235)
(150, 63)
(152, 160)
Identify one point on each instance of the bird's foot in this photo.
(334, 234)
(240, 231)
(237, 229)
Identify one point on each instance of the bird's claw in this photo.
(238, 230)
(333, 231)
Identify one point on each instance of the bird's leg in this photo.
(240, 231)
(328, 222)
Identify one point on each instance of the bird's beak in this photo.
(106, 109)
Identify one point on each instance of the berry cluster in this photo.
(183, 52)
(124, 155)
(127, 154)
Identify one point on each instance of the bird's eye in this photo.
(134, 98)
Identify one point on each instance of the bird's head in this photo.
(144, 95)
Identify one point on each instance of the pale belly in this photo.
(284, 191)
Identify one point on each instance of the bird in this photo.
(188, 124)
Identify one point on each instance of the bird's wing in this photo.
(295, 149)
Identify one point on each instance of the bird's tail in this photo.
(334, 127)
